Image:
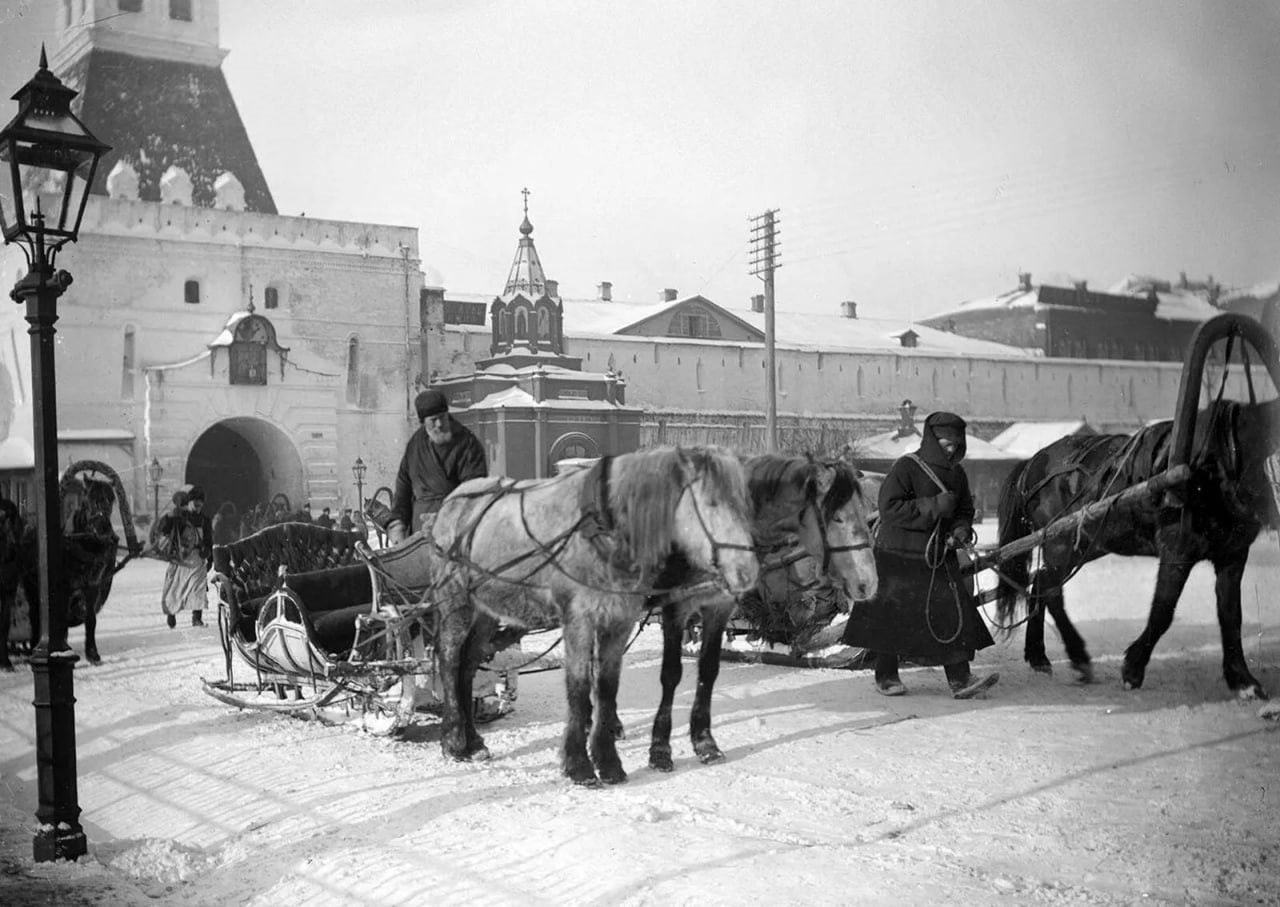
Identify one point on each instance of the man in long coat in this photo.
(924, 609)
(190, 545)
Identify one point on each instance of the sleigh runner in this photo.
(312, 618)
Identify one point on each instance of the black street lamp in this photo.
(154, 472)
(50, 158)
(358, 470)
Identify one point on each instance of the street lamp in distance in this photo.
(154, 472)
(358, 469)
(49, 158)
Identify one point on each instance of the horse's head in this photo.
(691, 500)
(712, 523)
(833, 528)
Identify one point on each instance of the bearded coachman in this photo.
(924, 610)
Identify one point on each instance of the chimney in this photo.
(606, 291)
(849, 309)
(553, 287)
(668, 295)
(757, 302)
(1082, 285)
(1024, 281)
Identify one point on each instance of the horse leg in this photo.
(1033, 631)
(611, 641)
(1170, 579)
(714, 621)
(672, 670)
(473, 649)
(574, 762)
(1072, 641)
(452, 626)
(1228, 574)
(6, 608)
(90, 635)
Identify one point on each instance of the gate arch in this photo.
(246, 461)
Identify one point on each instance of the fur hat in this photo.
(430, 403)
(195, 494)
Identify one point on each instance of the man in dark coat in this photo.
(924, 609)
(440, 456)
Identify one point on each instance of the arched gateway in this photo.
(246, 461)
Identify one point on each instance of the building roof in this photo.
(1174, 302)
(158, 113)
(526, 275)
(1025, 439)
(804, 330)
(888, 446)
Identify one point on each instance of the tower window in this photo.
(126, 364)
(180, 10)
(271, 299)
(129, 6)
(191, 292)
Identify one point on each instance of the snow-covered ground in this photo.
(1045, 792)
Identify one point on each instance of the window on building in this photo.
(271, 298)
(180, 10)
(191, 292)
(129, 6)
(126, 365)
(353, 370)
(693, 324)
(700, 377)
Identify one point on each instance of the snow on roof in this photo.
(1024, 439)
(515, 396)
(888, 446)
(834, 331)
(595, 317)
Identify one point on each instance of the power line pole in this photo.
(764, 261)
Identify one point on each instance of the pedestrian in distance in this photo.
(924, 610)
(188, 545)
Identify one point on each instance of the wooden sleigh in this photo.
(313, 621)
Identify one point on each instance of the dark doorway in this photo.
(228, 467)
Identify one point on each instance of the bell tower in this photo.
(149, 73)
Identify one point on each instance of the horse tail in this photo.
(1014, 524)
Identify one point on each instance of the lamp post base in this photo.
(59, 835)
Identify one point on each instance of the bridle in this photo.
(716, 545)
(829, 549)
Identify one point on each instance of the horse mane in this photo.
(646, 486)
(843, 487)
(772, 482)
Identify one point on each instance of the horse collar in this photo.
(594, 498)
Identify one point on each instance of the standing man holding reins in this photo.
(440, 456)
(924, 610)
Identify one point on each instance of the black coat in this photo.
(924, 608)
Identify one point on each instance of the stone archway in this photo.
(245, 461)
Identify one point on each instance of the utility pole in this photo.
(764, 261)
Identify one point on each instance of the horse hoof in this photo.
(661, 762)
(93, 658)
(710, 757)
(614, 775)
(1130, 685)
(1042, 667)
(1250, 693)
(1084, 672)
(481, 754)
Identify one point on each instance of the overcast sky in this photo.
(919, 153)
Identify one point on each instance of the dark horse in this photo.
(1224, 506)
(818, 505)
(89, 550)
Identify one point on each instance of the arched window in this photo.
(699, 375)
(180, 10)
(191, 292)
(271, 298)
(353, 370)
(126, 364)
